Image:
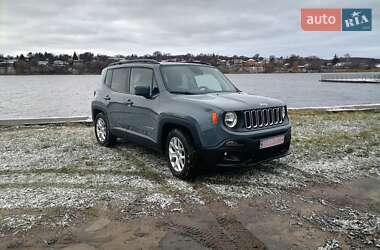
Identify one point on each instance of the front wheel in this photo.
(181, 154)
(102, 131)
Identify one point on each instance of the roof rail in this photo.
(199, 62)
(152, 61)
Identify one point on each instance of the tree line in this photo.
(88, 63)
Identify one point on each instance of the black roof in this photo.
(135, 61)
(152, 61)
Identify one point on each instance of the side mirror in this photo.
(155, 91)
(142, 91)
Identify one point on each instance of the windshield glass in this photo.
(195, 79)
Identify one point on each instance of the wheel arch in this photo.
(169, 123)
(96, 109)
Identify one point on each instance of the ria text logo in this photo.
(336, 19)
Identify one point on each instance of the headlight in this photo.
(230, 119)
(283, 112)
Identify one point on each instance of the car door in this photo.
(142, 118)
(119, 98)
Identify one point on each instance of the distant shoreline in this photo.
(227, 73)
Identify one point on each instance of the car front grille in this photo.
(259, 118)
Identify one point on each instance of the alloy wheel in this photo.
(101, 129)
(177, 154)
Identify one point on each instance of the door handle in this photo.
(107, 98)
(129, 102)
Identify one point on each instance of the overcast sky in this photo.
(178, 26)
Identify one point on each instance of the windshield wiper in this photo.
(182, 92)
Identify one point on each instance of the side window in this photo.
(108, 77)
(120, 80)
(141, 77)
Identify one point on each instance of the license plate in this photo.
(272, 141)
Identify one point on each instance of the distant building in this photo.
(78, 63)
(59, 63)
(342, 65)
(3, 68)
(279, 60)
(116, 58)
(302, 68)
(237, 61)
(221, 62)
(257, 69)
(43, 63)
(7, 67)
(11, 61)
(363, 65)
(251, 62)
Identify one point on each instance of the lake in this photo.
(44, 96)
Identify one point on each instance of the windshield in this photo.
(195, 79)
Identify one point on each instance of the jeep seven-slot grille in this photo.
(259, 118)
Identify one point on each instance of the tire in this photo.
(179, 144)
(102, 131)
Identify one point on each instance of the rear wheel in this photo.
(102, 131)
(181, 154)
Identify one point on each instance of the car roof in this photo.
(186, 63)
(145, 62)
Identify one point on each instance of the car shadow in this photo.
(270, 167)
(207, 171)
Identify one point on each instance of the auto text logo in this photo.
(336, 19)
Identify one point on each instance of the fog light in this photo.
(230, 157)
(232, 143)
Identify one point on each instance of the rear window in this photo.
(120, 80)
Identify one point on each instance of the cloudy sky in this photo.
(242, 27)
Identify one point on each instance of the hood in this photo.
(233, 101)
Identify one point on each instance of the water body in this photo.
(42, 96)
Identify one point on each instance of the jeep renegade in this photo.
(189, 111)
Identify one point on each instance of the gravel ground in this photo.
(61, 166)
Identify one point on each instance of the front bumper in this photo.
(246, 150)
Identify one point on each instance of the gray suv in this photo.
(189, 111)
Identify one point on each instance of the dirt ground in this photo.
(60, 190)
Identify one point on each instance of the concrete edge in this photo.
(44, 121)
(85, 119)
(352, 81)
(358, 107)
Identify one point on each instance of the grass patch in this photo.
(84, 186)
(143, 170)
(71, 170)
(338, 134)
(299, 114)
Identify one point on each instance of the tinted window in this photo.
(208, 81)
(120, 80)
(195, 79)
(141, 77)
(108, 77)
